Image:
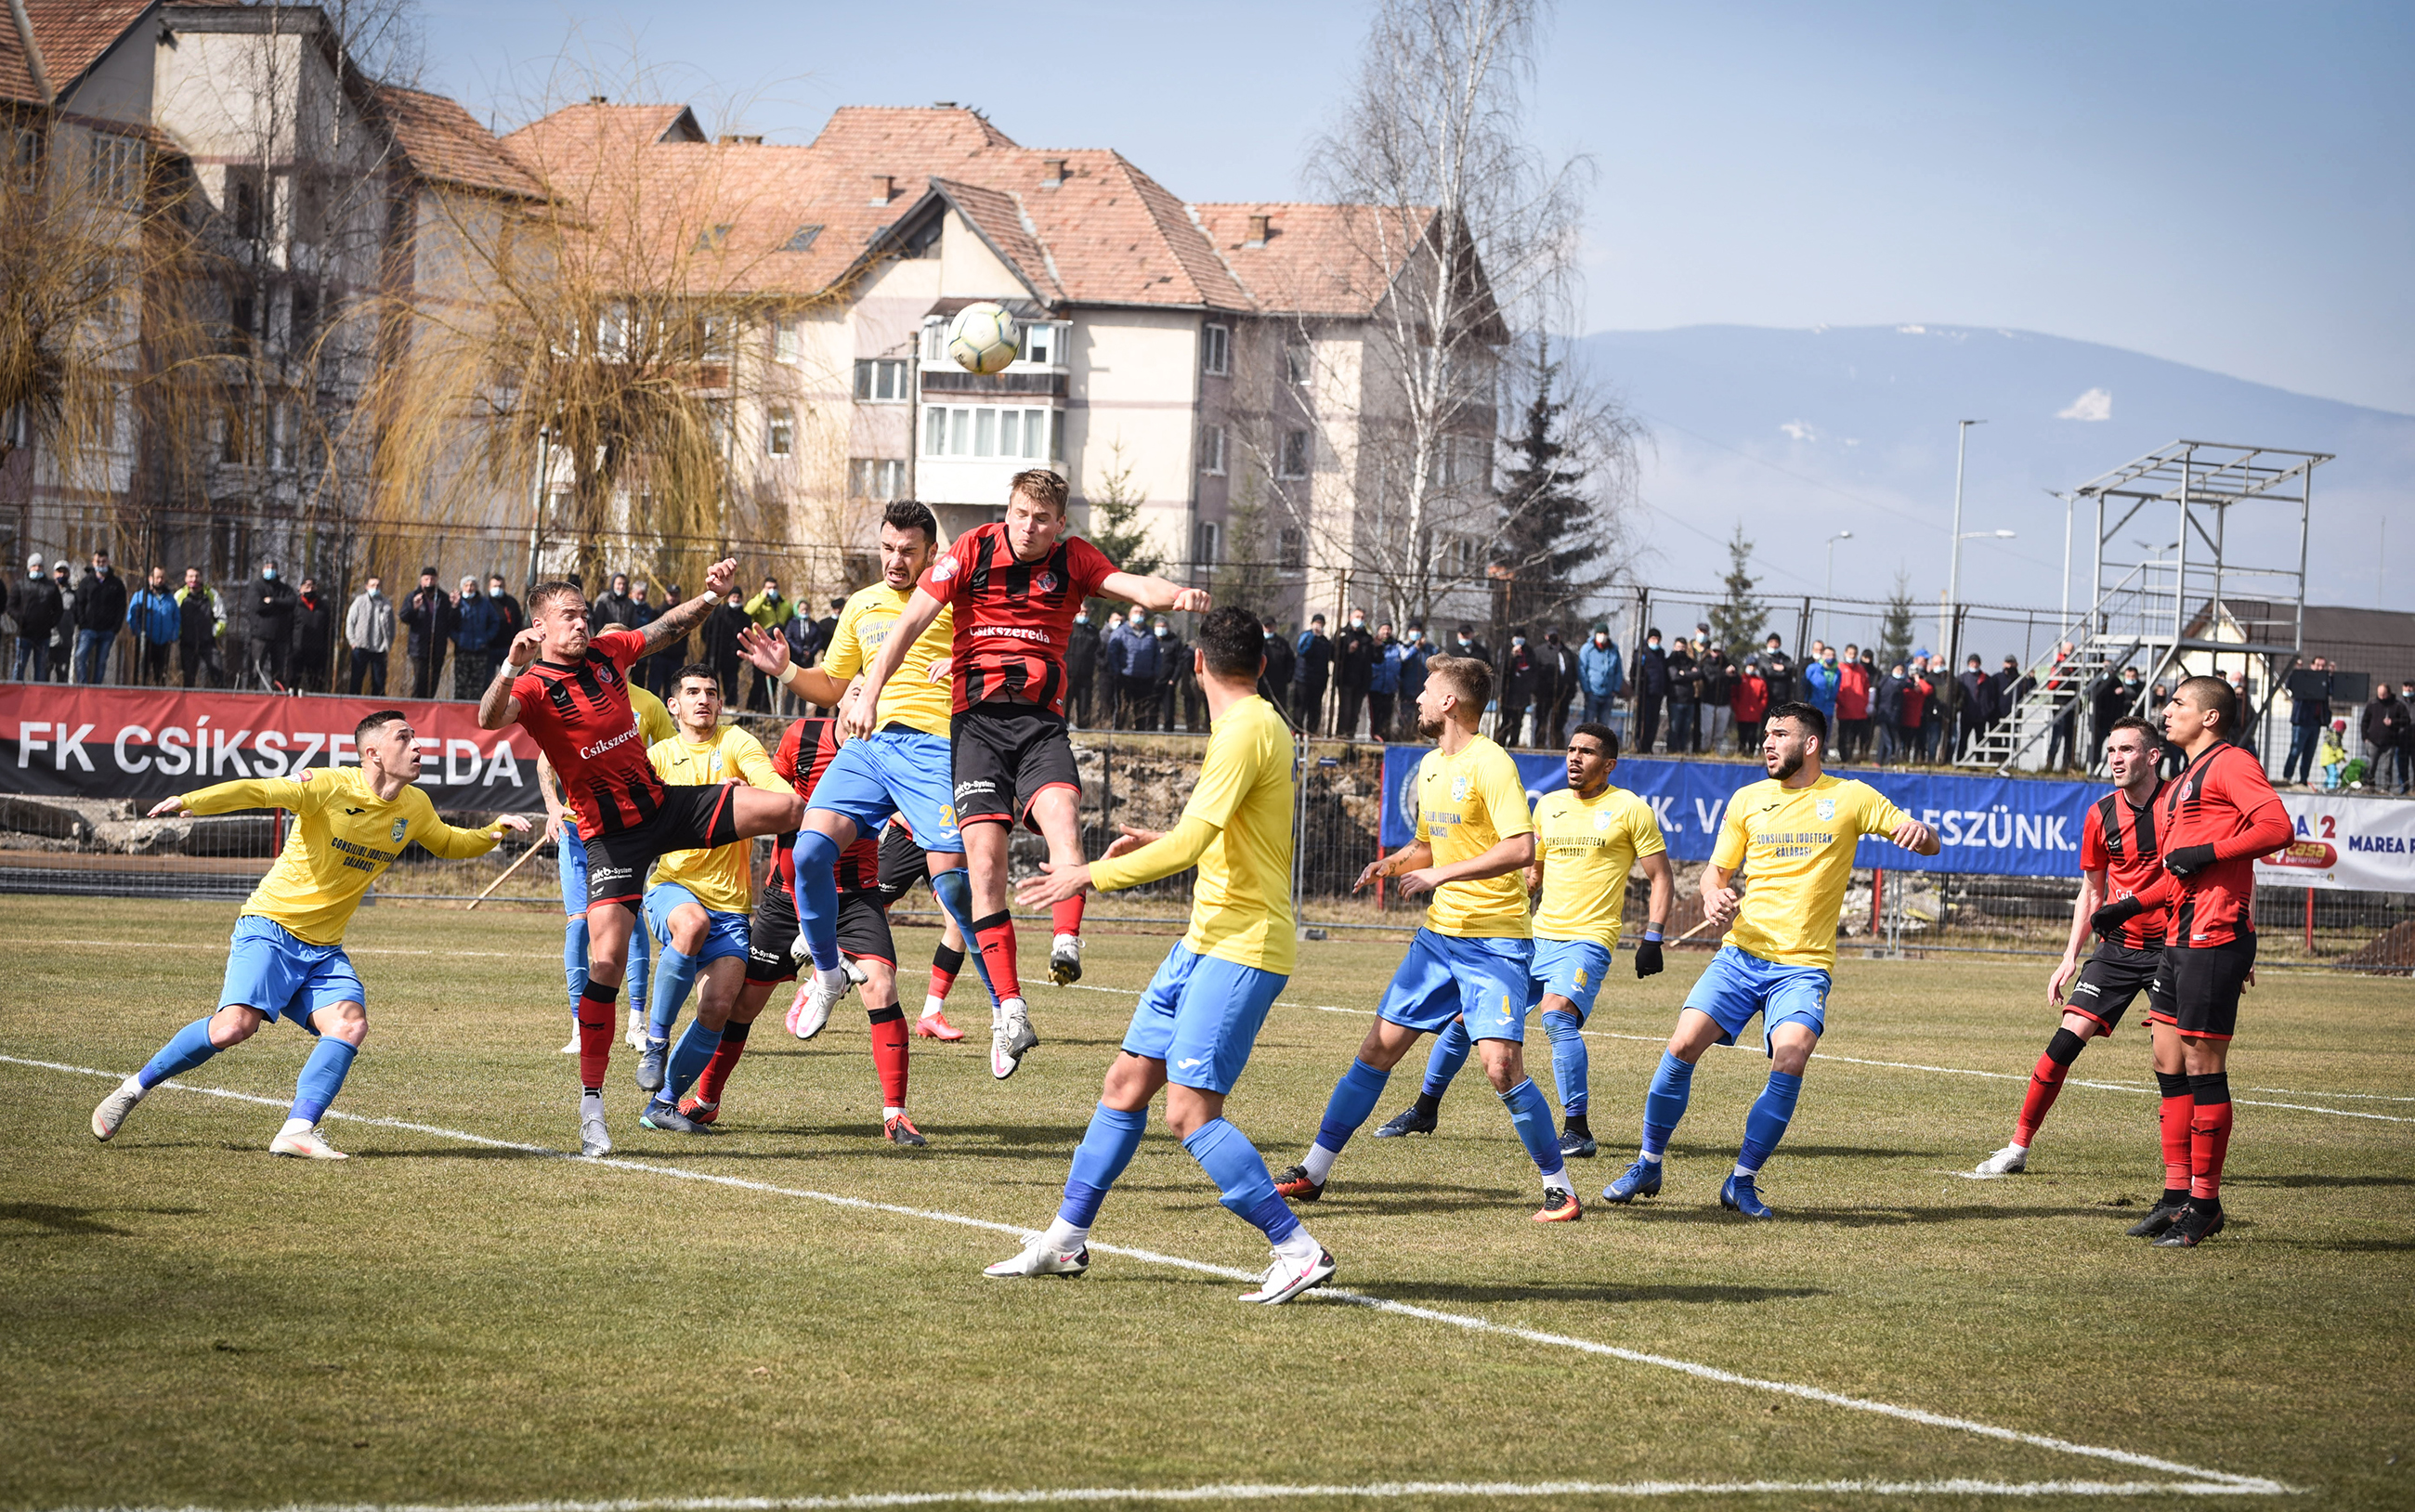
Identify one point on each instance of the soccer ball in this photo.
(983, 337)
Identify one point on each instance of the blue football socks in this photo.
(1241, 1181)
(1765, 1125)
(1450, 1049)
(574, 957)
(186, 1049)
(1354, 1099)
(674, 977)
(639, 977)
(818, 896)
(1571, 1066)
(322, 1078)
(689, 1059)
(1105, 1150)
(954, 887)
(1665, 1104)
(1533, 1117)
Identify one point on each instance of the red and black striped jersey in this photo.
(2118, 838)
(2221, 799)
(579, 717)
(1012, 618)
(805, 749)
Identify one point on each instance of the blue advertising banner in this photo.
(2000, 825)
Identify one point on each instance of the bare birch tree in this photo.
(1475, 233)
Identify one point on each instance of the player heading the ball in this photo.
(1012, 587)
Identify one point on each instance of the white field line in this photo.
(2254, 1483)
(1590, 1034)
(1385, 1491)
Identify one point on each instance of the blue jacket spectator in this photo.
(1818, 687)
(1600, 673)
(1384, 672)
(479, 628)
(153, 616)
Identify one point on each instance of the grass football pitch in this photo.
(458, 1316)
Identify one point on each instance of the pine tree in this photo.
(1116, 526)
(1548, 529)
(1895, 633)
(1738, 623)
(1246, 575)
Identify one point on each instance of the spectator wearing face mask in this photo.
(1134, 658)
(1309, 673)
(2310, 715)
(1562, 663)
(1463, 642)
(314, 637)
(269, 626)
(1080, 667)
(2384, 729)
(1778, 670)
(476, 625)
(1383, 682)
(1354, 658)
(1416, 649)
(1602, 674)
(1522, 681)
(1714, 698)
(100, 612)
(1853, 705)
(200, 621)
(1173, 671)
(369, 630)
(1684, 699)
(427, 615)
(1274, 683)
(1651, 688)
(151, 614)
(38, 610)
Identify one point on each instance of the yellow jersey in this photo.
(343, 838)
(655, 723)
(723, 876)
(919, 692)
(1467, 805)
(1796, 846)
(1588, 846)
(1237, 830)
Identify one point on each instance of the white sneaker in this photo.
(114, 1107)
(571, 1048)
(2009, 1162)
(298, 1138)
(810, 1013)
(1040, 1258)
(1065, 960)
(1009, 1036)
(1287, 1279)
(636, 1035)
(593, 1139)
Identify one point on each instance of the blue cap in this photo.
(1922, 652)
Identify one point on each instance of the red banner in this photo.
(146, 743)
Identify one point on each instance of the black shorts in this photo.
(691, 818)
(2201, 987)
(902, 862)
(1007, 755)
(2109, 980)
(862, 932)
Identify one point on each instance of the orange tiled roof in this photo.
(1316, 258)
(445, 142)
(72, 36)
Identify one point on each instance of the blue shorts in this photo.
(1200, 1015)
(725, 934)
(570, 860)
(270, 969)
(1740, 984)
(1572, 970)
(904, 772)
(1444, 977)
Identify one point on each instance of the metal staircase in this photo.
(2174, 615)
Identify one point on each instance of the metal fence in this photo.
(99, 849)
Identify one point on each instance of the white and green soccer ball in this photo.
(983, 337)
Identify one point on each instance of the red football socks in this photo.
(889, 1053)
(595, 1034)
(2179, 1106)
(2209, 1135)
(725, 1060)
(995, 937)
(2046, 1085)
(1066, 914)
(945, 963)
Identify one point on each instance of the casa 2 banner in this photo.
(148, 743)
(2364, 844)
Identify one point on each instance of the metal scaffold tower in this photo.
(2185, 596)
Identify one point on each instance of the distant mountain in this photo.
(1800, 434)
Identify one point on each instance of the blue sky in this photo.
(2224, 185)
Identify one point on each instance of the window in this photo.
(117, 170)
(1042, 345)
(1216, 350)
(25, 156)
(230, 558)
(877, 478)
(1466, 461)
(1294, 461)
(780, 433)
(988, 430)
(1291, 549)
(713, 238)
(234, 429)
(804, 239)
(1203, 544)
(787, 338)
(303, 323)
(1299, 363)
(241, 320)
(612, 333)
(881, 380)
(245, 198)
(934, 340)
(1211, 450)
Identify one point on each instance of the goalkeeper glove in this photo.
(2189, 859)
(1647, 955)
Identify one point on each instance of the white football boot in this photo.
(1040, 1258)
(298, 1138)
(593, 1139)
(2009, 1162)
(810, 1013)
(1287, 1277)
(1065, 960)
(114, 1107)
(1009, 1037)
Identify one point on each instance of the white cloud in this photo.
(2096, 404)
(1912, 330)
(1800, 430)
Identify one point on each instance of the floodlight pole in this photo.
(1830, 628)
(1948, 632)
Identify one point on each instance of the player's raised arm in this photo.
(1152, 593)
(455, 844)
(234, 797)
(767, 653)
(920, 610)
(680, 619)
(498, 708)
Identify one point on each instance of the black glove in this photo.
(2110, 919)
(2189, 860)
(1647, 959)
